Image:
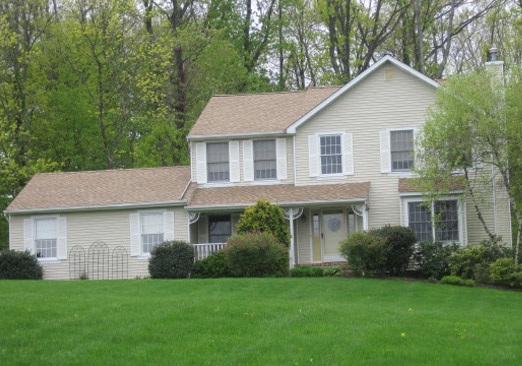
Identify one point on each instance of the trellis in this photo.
(98, 262)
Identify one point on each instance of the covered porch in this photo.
(319, 217)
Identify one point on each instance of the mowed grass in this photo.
(286, 321)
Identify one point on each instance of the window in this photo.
(219, 228)
(440, 221)
(151, 231)
(401, 148)
(46, 238)
(218, 162)
(265, 164)
(331, 155)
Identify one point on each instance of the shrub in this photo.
(265, 217)
(332, 271)
(400, 242)
(214, 266)
(433, 258)
(15, 265)
(256, 254)
(365, 253)
(505, 272)
(307, 272)
(171, 259)
(457, 281)
(465, 261)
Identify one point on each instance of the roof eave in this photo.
(118, 206)
(237, 135)
(293, 127)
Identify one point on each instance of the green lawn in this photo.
(318, 321)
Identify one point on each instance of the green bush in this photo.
(457, 281)
(331, 271)
(465, 261)
(15, 265)
(256, 254)
(305, 271)
(433, 258)
(264, 217)
(505, 272)
(400, 242)
(365, 253)
(214, 266)
(171, 259)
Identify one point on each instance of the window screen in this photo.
(218, 162)
(265, 165)
(331, 155)
(151, 231)
(447, 221)
(219, 228)
(401, 147)
(420, 220)
(46, 235)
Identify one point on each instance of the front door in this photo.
(333, 232)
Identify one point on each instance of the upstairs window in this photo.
(151, 231)
(438, 222)
(219, 228)
(218, 167)
(331, 155)
(401, 148)
(265, 161)
(46, 238)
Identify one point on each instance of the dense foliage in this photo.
(214, 266)
(433, 258)
(400, 242)
(457, 281)
(256, 254)
(15, 265)
(365, 253)
(505, 272)
(470, 261)
(264, 217)
(171, 259)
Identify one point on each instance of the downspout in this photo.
(494, 200)
(295, 163)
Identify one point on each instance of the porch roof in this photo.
(282, 194)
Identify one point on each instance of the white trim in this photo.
(342, 135)
(247, 135)
(34, 219)
(293, 127)
(419, 194)
(118, 206)
(140, 227)
(403, 173)
(294, 162)
(49, 260)
(10, 231)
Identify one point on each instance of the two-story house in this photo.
(337, 159)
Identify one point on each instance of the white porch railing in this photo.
(201, 251)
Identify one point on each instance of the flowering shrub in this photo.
(256, 254)
(365, 253)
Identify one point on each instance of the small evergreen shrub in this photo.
(214, 266)
(505, 272)
(171, 259)
(433, 258)
(464, 262)
(365, 253)
(400, 242)
(16, 265)
(332, 271)
(256, 254)
(264, 217)
(457, 281)
(306, 271)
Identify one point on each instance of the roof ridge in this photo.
(114, 170)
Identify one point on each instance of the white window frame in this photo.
(418, 199)
(45, 217)
(141, 213)
(218, 182)
(264, 180)
(330, 133)
(398, 129)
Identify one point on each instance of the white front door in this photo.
(334, 232)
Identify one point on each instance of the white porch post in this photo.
(291, 256)
(362, 211)
(365, 219)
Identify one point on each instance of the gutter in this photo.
(237, 135)
(119, 206)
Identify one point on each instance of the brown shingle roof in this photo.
(262, 112)
(414, 184)
(103, 187)
(280, 193)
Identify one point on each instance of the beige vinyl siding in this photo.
(504, 216)
(303, 238)
(289, 162)
(368, 108)
(111, 227)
